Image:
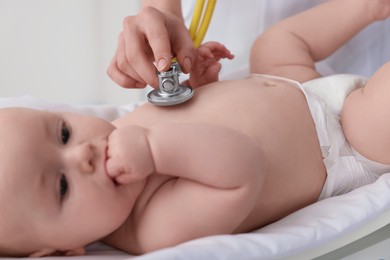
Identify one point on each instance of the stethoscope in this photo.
(169, 91)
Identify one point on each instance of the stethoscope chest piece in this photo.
(170, 92)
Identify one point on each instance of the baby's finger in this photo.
(222, 55)
(213, 71)
(205, 52)
(213, 46)
(219, 50)
(125, 178)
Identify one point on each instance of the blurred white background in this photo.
(59, 50)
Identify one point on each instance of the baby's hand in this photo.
(129, 156)
(206, 66)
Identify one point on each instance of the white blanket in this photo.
(343, 218)
(340, 218)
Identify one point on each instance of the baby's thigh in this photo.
(366, 119)
(258, 59)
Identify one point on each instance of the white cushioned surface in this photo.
(306, 229)
(301, 231)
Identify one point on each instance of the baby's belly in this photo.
(274, 114)
(252, 106)
(276, 117)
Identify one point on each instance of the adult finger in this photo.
(122, 63)
(138, 57)
(121, 78)
(184, 48)
(158, 37)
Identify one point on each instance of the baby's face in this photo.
(54, 189)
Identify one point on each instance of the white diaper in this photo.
(347, 169)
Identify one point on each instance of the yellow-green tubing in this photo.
(196, 18)
(198, 35)
(205, 23)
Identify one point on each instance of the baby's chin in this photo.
(132, 191)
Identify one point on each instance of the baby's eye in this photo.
(65, 133)
(63, 186)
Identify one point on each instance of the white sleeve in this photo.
(237, 24)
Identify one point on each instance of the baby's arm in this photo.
(220, 175)
(217, 177)
(291, 47)
(205, 149)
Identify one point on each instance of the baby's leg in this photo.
(366, 117)
(291, 47)
(279, 53)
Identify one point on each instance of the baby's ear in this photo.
(43, 252)
(53, 252)
(75, 252)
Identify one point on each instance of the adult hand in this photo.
(151, 36)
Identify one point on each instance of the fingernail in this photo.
(161, 64)
(187, 64)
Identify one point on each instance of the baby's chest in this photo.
(154, 183)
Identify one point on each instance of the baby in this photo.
(240, 155)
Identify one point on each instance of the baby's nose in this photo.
(81, 157)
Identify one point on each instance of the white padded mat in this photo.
(305, 230)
